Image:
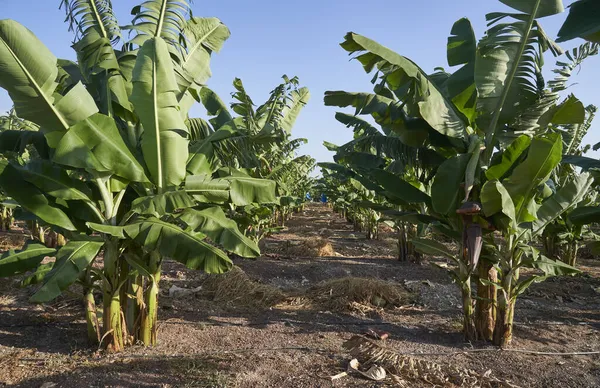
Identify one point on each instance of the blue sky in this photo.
(270, 38)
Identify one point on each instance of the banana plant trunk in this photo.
(469, 329)
(91, 318)
(506, 309)
(571, 254)
(485, 306)
(114, 338)
(149, 318)
(402, 243)
(504, 323)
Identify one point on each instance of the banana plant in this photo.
(258, 141)
(485, 119)
(121, 178)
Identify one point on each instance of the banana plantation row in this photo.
(104, 154)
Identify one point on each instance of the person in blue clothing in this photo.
(323, 198)
(308, 198)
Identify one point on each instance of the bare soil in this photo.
(286, 331)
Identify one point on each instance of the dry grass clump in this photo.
(313, 247)
(357, 294)
(236, 288)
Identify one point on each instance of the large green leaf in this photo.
(71, 260)
(544, 155)
(161, 204)
(221, 230)
(184, 246)
(446, 187)
(206, 189)
(585, 215)
(581, 161)
(440, 113)
(55, 181)
(215, 107)
(96, 29)
(247, 190)
(31, 198)
(37, 277)
(297, 100)
(29, 71)
(204, 36)
(570, 111)
(398, 187)
(567, 197)
(96, 145)
(461, 50)
(431, 247)
(165, 139)
(386, 112)
(18, 140)
(544, 7)
(203, 158)
(551, 267)
(582, 22)
(510, 155)
(17, 262)
(496, 199)
(507, 70)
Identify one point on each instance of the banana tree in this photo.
(258, 141)
(118, 178)
(481, 118)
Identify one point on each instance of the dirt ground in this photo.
(289, 330)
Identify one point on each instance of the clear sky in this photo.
(270, 38)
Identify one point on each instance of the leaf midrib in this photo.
(36, 86)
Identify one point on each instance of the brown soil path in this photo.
(295, 343)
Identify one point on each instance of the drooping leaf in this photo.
(28, 74)
(247, 190)
(398, 187)
(582, 22)
(496, 199)
(439, 113)
(215, 107)
(221, 230)
(17, 262)
(585, 215)
(71, 260)
(111, 230)
(431, 247)
(55, 181)
(553, 267)
(31, 198)
(173, 242)
(567, 197)
(206, 189)
(161, 204)
(95, 144)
